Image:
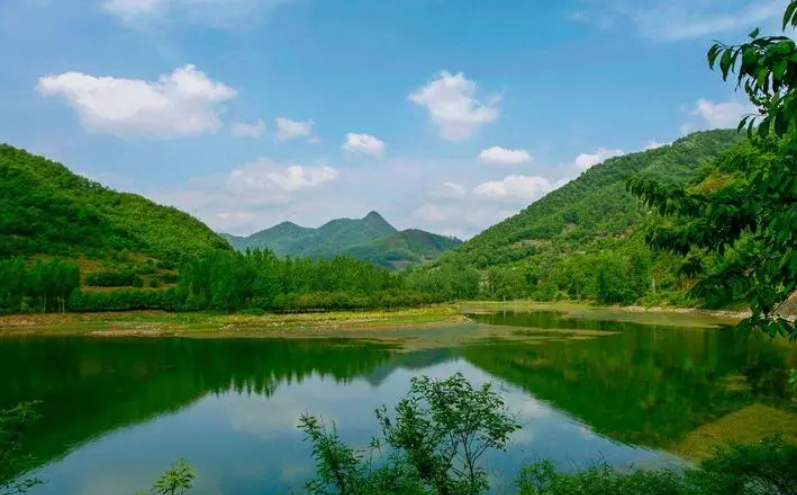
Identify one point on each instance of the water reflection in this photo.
(116, 412)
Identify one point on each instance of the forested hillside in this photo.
(371, 239)
(584, 240)
(45, 209)
(410, 246)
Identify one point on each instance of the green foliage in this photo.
(591, 226)
(763, 469)
(175, 481)
(443, 428)
(506, 284)
(542, 478)
(43, 286)
(401, 248)
(113, 279)
(225, 281)
(370, 239)
(434, 443)
(259, 279)
(745, 220)
(450, 282)
(440, 430)
(46, 209)
(128, 300)
(14, 425)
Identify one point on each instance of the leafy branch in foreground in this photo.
(743, 216)
(434, 444)
(14, 424)
(175, 481)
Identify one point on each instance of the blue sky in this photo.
(447, 115)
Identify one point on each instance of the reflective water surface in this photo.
(117, 412)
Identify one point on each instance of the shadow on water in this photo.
(640, 385)
(560, 320)
(91, 387)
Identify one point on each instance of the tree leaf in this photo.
(725, 63)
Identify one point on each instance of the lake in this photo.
(117, 412)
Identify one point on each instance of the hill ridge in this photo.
(594, 205)
(46, 209)
(371, 238)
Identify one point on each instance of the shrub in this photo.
(114, 279)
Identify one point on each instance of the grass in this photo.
(747, 426)
(155, 323)
(644, 316)
(405, 324)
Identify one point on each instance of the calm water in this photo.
(117, 412)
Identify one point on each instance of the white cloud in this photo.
(132, 8)
(722, 115)
(449, 190)
(585, 161)
(248, 129)
(450, 100)
(258, 194)
(290, 129)
(602, 20)
(502, 156)
(652, 145)
(213, 13)
(673, 20)
(515, 186)
(365, 144)
(183, 103)
(447, 219)
(265, 175)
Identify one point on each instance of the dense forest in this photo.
(370, 238)
(224, 281)
(586, 240)
(47, 210)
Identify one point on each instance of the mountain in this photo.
(594, 206)
(586, 240)
(371, 238)
(403, 248)
(47, 210)
(280, 238)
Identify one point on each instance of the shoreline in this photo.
(586, 310)
(217, 325)
(342, 324)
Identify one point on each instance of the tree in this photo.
(175, 481)
(14, 424)
(743, 217)
(612, 281)
(434, 443)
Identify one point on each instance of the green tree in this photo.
(612, 282)
(433, 443)
(744, 217)
(175, 481)
(14, 425)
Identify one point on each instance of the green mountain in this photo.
(47, 210)
(584, 240)
(371, 238)
(280, 238)
(404, 248)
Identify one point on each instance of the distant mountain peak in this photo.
(377, 222)
(286, 225)
(371, 238)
